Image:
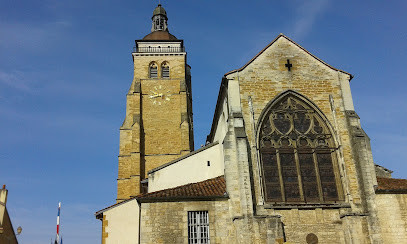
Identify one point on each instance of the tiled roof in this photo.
(204, 190)
(390, 185)
(208, 189)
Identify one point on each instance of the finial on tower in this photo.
(159, 19)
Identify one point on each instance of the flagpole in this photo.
(59, 212)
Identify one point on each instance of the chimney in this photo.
(3, 200)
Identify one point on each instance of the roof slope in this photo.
(271, 43)
(208, 189)
(160, 36)
(390, 185)
(204, 190)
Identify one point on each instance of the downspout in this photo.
(139, 221)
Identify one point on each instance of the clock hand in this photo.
(156, 95)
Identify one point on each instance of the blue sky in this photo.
(65, 67)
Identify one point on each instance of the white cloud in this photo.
(15, 79)
(30, 36)
(307, 13)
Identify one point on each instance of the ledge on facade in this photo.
(306, 205)
(391, 186)
(353, 215)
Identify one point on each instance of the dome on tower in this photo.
(160, 36)
(159, 29)
(159, 10)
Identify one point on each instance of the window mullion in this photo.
(321, 195)
(280, 175)
(299, 174)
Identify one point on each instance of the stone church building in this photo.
(286, 159)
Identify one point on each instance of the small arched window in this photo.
(153, 70)
(165, 70)
(297, 154)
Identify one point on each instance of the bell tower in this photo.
(158, 126)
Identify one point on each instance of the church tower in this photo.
(158, 126)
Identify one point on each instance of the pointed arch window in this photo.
(297, 154)
(165, 70)
(153, 71)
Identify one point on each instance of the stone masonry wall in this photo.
(158, 121)
(167, 222)
(392, 213)
(263, 80)
(267, 77)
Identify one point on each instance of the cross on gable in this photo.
(288, 65)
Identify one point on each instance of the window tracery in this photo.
(297, 154)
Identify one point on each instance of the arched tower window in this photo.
(297, 153)
(153, 70)
(165, 70)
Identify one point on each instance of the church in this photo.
(286, 159)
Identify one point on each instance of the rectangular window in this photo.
(198, 227)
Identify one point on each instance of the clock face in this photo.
(159, 95)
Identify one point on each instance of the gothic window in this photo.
(165, 70)
(153, 71)
(297, 154)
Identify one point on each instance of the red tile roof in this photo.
(390, 185)
(208, 189)
(204, 190)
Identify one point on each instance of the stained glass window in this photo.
(297, 154)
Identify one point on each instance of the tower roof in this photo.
(160, 36)
(159, 10)
(159, 30)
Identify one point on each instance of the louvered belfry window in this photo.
(165, 70)
(297, 154)
(153, 71)
(198, 227)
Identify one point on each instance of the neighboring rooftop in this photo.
(208, 189)
(390, 185)
(214, 188)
